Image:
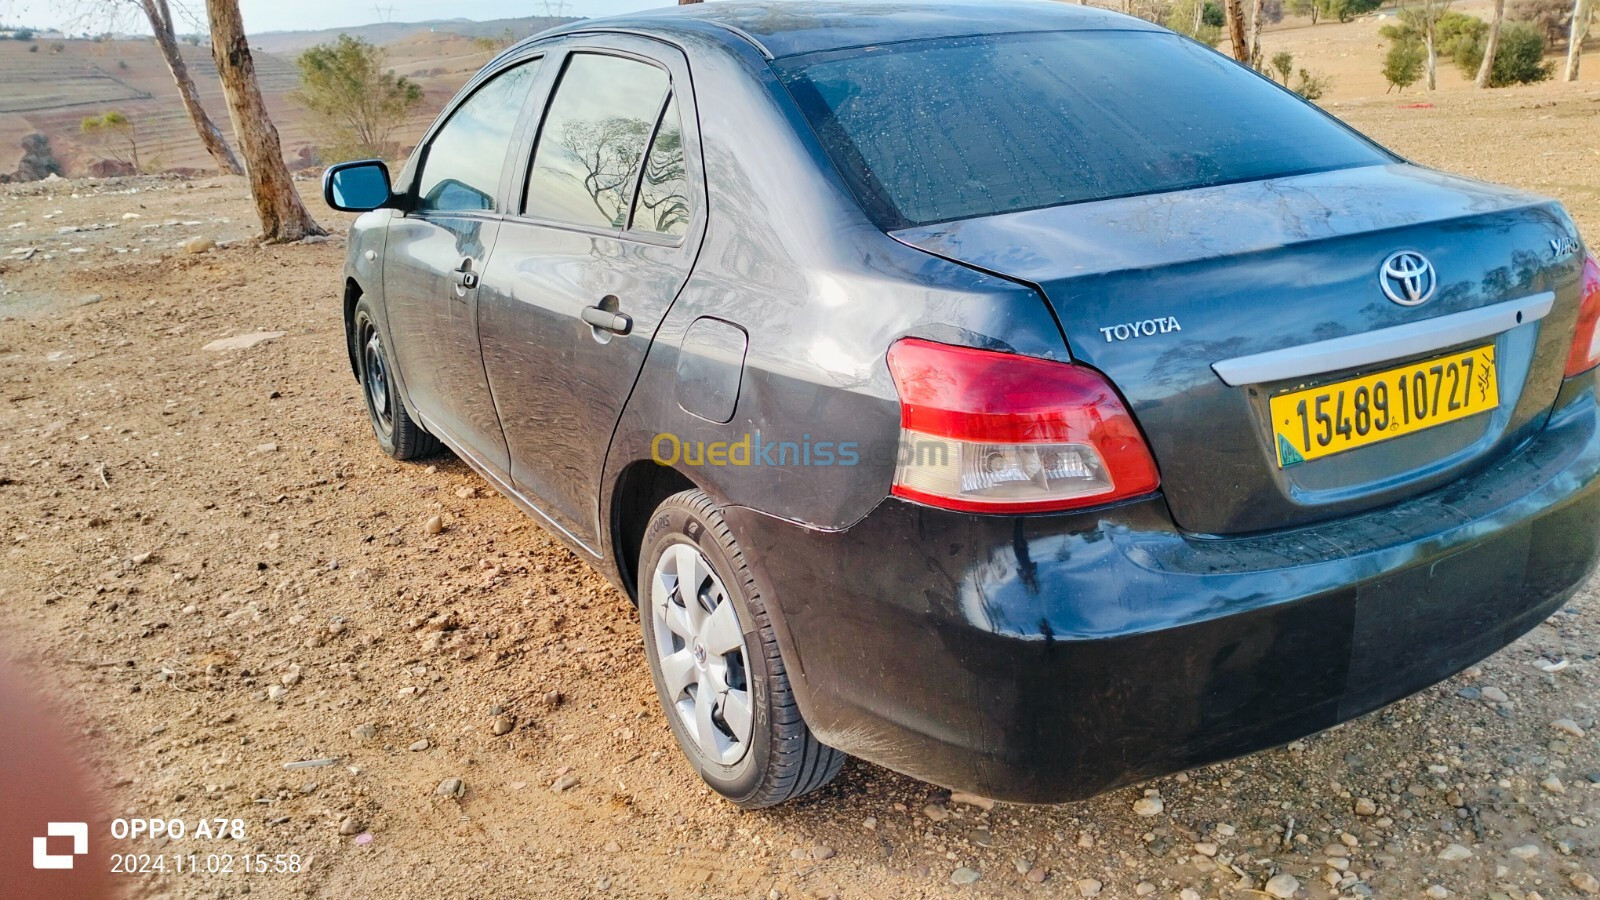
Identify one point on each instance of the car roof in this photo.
(781, 29)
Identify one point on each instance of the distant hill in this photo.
(381, 33)
(50, 86)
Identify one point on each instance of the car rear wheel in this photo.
(715, 660)
(397, 433)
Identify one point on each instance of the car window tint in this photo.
(938, 130)
(462, 168)
(663, 203)
(593, 137)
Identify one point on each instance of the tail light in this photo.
(982, 431)
(1585, 353)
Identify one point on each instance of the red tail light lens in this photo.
(982, 431)
(1585, 353)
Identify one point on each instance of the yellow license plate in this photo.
(1321, 421)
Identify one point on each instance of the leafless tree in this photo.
(1582, 11)
(159, 15)
(1425, 16)
(283, 216)
(1491, 44)
(1234, 11)
(1258, 15)
(608, 150)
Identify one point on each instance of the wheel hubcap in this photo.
(704, 659)
(376, 380)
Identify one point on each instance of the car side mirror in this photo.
(359, 186)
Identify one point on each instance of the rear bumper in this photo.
(1049, 658)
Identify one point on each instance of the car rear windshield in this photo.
(939, 130)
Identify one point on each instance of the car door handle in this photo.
(614, 322)
(465, 278)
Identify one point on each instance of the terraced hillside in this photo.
(55, 80)
(51, 92)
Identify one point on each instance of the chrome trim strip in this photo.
(1384, 344)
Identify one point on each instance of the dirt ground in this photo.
(211, 571)
(1350, 54)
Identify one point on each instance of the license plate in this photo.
(1332, 418)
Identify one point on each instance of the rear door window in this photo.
(587, 159)
(939, 130)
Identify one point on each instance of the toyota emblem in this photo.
(1408, 278)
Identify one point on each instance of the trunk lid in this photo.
(1278, 281)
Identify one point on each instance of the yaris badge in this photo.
(1408, 278)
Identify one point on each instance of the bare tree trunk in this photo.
(1491, 45)
(1258, 15)
(283, 217)
(1431, 66)
(1580, 30)
(1235, 14)
(160, 16)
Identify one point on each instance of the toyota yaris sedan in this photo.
(1018, 396)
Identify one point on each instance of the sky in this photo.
(292, 15)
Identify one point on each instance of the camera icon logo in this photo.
(44, 859)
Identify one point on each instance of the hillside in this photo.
(381, 33)
(51, 91)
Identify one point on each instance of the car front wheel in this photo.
(716, 664)
(398, 434)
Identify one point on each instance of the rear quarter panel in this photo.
(822, 294)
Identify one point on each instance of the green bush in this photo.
(1520, 59)
(1403, 65)
(1454, 34)
(1457, 30)
(358, 100)
(1346, 10)
(1283, 65)
(116, 134)
(1452, 29)
(1312, 85)
(1312, 8)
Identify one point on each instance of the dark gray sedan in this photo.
(1018, 396)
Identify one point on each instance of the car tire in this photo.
(761, 752)
(398, 434)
